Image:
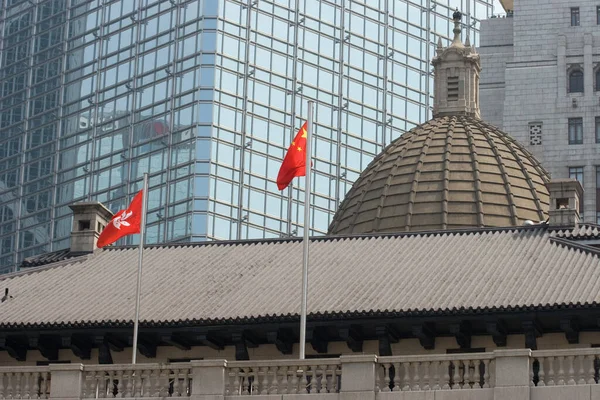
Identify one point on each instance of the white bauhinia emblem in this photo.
(122, 219)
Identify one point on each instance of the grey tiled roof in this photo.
(47, 258)
(427, 272)
(582, 231)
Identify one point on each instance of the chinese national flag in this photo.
(294, 163)
(125, 222)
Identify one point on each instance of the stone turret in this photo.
(451, 172)
(456, 78)
(89, 220)
(565, 195)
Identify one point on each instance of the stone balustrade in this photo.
(565, 367)
(140, 380)
(24, 383)
(498, 375)
(283, 377)
(436, 372)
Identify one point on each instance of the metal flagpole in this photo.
(139, 274)
(309, 132)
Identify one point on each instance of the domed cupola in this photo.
(454, 171)
(456, 83)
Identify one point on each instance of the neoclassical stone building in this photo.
(541, 84)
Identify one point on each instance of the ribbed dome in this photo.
(451, 172)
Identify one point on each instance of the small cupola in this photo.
(89, 220)
(565, 195)
(456, 76)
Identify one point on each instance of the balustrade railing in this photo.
(24, 383)
(565, 367)
(141, 380)
(436, 372)
(469, 371)
(283, 377)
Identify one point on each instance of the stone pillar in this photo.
(565, 196)
(358, 377)
(588, 70)
(89, 220)
(512, 374)
(66, 381)
(561, 65)
(208, 379)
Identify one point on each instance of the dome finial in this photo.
(456, 77)
(457, 29)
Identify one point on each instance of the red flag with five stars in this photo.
(294, 163)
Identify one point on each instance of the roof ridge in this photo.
(581, 231)
(574, 244)
(476, 172)
(392, 174)
(415, 181)
(372, 235)
(42, 267)
(447, 152)
(512, 206)
(590, 224)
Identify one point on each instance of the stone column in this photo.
(561, 66)
(208, 379)
(590, 106)
(358, 377)
(66, 381)
(588, 70)
(512, 374)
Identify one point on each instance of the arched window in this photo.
(576, 81)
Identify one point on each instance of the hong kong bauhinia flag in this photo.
(125, 222)
(294, 163)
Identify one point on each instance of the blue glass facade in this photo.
(204, 95)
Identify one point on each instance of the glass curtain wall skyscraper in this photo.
(205, 95)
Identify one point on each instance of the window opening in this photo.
(453, 88)
(575, 16)
(575, 130)
(576, 81)
(577, 173)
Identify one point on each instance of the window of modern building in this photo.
(576, 80)
(575, 130)
(574, 16)
(597, 128)
(188, 143)
(597, 76)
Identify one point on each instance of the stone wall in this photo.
(495, 51)
(534, 86)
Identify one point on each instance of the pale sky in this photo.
(498, 7)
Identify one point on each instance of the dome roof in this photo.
(454, 171)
